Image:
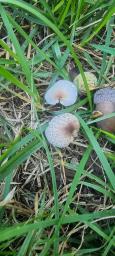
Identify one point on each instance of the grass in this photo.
(63, 201)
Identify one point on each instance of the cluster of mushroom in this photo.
(62, 129)
(104, 99)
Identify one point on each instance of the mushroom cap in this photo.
(105, 103)
(91, 80)
(63, 91)
(62, 129)
(105, 94)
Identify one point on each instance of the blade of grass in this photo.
(19, 53)
(101, 118)
(107, 43)
(19, 143)
(57, 6)
(62, 18)
(23, 228)
(99, 152)
(24, 248)
(104, 48)
(72, 218)
(7, 75)
(91, 62)
(79, 9)
(97, 188)
(7, 62)
(13, 92)
(8, 180)
(75, 182)
(111, 241)
(29, 40)
(98, 180)
(48, 9)
(6, 47)
(104, 21)
(19, 158)
(55, 192)
(98, 230)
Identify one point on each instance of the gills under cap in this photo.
(63, 91)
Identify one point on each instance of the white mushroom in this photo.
(91, 80)
(63, 91)
(62, 129)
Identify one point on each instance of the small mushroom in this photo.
(91, 80)
(62, 130)
(105, 104)
(63, 91)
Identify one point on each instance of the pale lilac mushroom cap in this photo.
(62, 129)
(105, 103)
(104, 95)
(63, 91)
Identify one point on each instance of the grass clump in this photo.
(54, 202)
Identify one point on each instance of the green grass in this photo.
(39, 41)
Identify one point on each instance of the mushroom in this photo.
(62, 130)
(105, 104)
(78, 80)
(63, 91)
(91, 80)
